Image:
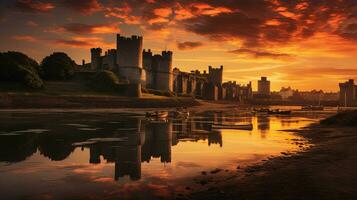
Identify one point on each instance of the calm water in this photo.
(123, 156)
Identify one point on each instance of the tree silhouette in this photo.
(58, 66)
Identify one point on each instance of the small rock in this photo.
(216, 171)
(204, 173)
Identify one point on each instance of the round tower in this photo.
(164, 72)
(96, 54)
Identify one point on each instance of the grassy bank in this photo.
(77, 94)
(21, 101)
(326, 171)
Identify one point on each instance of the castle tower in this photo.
(348, 93)
(96, 54)
(164, 79)
(147, 65)
(215, 75)
(130, 58)
(147, 59)
(264, 86)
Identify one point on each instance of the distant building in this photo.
(264, 87)
(348, 93)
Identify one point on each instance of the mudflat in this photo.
(326, 170)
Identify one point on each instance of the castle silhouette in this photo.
(155, 71)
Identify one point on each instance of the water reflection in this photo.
(135, 145)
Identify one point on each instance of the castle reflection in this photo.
(127, 142)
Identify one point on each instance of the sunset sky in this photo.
(306, 44)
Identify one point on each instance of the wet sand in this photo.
(327, 170)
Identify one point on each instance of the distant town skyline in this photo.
(303, 44)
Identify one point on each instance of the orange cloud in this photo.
(26, 38)
(302, 6)
(188, 45)
(206, 9)
(273, 22)
(123, 13)
(79, 28)
(84, 42)
(163, 12)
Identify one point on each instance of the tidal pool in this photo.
(125, 156)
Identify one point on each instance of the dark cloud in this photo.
(349, 31)
(226, 26)
(85, 7)
(34, 6)
(188, 45)
(274, 22)
(260, 53)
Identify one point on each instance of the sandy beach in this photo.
(327, 170)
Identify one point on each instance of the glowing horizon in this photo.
(303, 44)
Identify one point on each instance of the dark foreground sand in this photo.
(328, 170)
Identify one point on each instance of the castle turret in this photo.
(165, 73)
(147, 59)
(215, 75)
(130, 58)
(96, 54)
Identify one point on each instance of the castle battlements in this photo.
(155, 71)
(96, 50)
(132, 38)
(147, 52)
(167, 55)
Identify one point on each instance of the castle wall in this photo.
(199, 88)
(133, 75)
(109, 60)
(191, 86)
(210, 92)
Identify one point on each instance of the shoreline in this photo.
(326, 170)
(21, 101)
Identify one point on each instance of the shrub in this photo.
(17, 67)
(58, 66)
(105, 81)
(32, 80)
